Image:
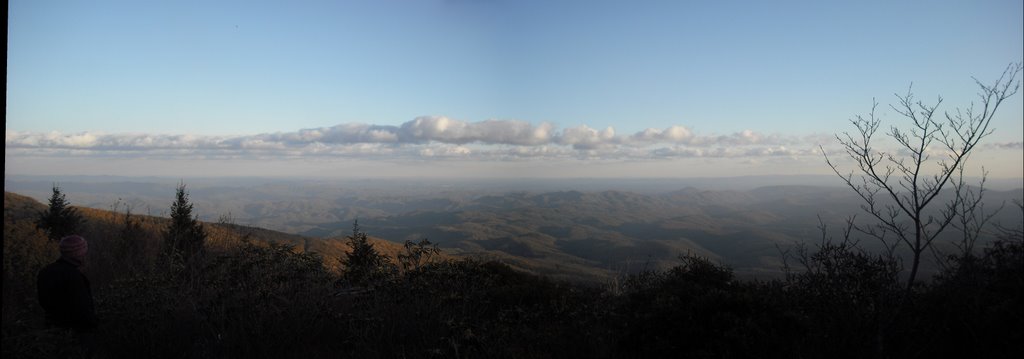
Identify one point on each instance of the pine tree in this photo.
(363, 265)
(185, 236)
(60, 219)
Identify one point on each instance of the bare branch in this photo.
(907, 210)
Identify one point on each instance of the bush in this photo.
(982, 304)
(696, 309)
(850, 299)
(252, 301)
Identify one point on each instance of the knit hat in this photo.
(74, 247)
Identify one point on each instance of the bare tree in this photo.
(972, 216)
(899, 187)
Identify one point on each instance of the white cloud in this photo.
(435, 137)
(446, 130)
(586, 138)
(344, 133)
(673, 134)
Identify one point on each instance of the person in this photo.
(65, 293)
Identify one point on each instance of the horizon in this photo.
(39, 186)
(487, 89)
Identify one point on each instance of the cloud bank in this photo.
(433, 137)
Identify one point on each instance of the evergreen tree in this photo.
(185, 236)
(60, 219)
(363, 265)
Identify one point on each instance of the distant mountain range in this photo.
(588, 235)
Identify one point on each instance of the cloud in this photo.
(1006, 145)
(586, 138)
(111, 142)
(344, 133)
(434, 137)
(446, 151)
(674, 134)
(446, 130)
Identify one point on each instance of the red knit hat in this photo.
(74, 247)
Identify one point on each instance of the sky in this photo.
(487, 88)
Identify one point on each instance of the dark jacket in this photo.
(65, 294)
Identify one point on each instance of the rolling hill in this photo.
(102, 227)
(588, 235)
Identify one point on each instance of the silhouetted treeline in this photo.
(253, 299)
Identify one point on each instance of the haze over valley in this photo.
(576, 229)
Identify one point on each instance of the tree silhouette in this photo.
(185, 236)
(59, 219)
(900, 187)
(363, 265)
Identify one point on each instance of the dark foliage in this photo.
(986, 294)
(487, 309)
(230, 306)
(417, 254)
(848, 298)
(698, 310)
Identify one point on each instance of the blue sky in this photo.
(793, 71)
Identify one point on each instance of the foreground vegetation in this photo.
(235, 296)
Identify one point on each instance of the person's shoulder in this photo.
(57, 267)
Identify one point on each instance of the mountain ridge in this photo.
(575, 234)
